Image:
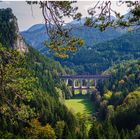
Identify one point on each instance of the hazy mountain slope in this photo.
(99, 57)
(36, 35)
(102, 50)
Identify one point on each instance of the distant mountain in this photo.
(36, 35)
(102, 49)
(35, 27)
(99, 57)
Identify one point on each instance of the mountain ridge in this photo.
(36, 37)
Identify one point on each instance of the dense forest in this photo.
(101, 56)
(32, 94)
(118, 104)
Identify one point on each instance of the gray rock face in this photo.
(19, 43)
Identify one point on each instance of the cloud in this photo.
(25, 18)
(24, 14)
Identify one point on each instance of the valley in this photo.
(38, 95)
(80, 104)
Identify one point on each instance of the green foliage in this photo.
(107, 95)
(60, 40)
(116, 103)
(101, 56)
(125, 78)
(30, 93)
(6, 135)
(128, 110)
(95, 131)
(7, 27)
(60, 37)
(62, 48)
(136, 132)
(106, 130)
(28, 90)
(16, 84)
(37, 131)
(80, 104)
(119, 103)
(59, 129)
(82, 125)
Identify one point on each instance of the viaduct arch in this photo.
(80, 78)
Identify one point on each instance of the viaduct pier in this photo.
(81, 78)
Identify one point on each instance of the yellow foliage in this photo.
(118, 94)
(121, 82)
(62, 56)
(47, 132)
(81, 42)
(130, 30)
(108, 95)
(38, 131)
(59, 128)
(130, 101)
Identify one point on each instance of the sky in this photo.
(26, 18)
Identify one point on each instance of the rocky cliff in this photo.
(9, 31)
(20, 45)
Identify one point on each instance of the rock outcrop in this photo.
(9, 31)
(19, 44)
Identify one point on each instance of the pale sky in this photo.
(25, 18)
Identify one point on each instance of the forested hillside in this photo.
(101, 56)
(102, 49)
(118, 103)
(31, 93)
(32, 96)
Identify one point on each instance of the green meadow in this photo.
(80, 104)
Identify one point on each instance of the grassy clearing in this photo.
(80, 104)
